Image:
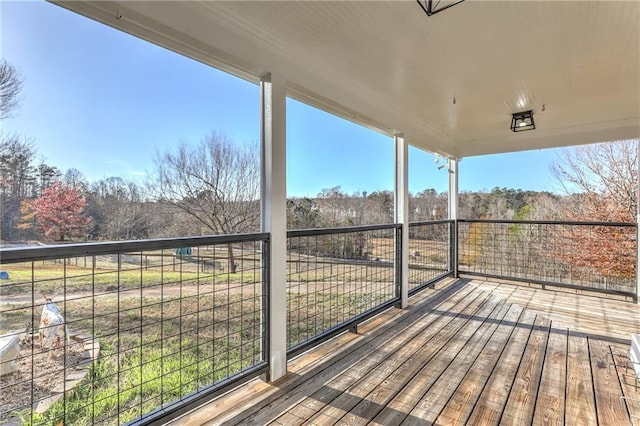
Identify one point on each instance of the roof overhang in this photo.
(387, 65)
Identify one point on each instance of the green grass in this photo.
(164, 352)
(50, 279)
(311, 314)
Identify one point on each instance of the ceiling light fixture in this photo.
(522, 121)
(431, 7)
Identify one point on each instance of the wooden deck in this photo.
(467, 352)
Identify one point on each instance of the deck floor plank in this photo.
(550, 405)
(441, 392)
(461, 404)
(290, 392)
(466, 352)
(580, 399)
(363, 384)
(587, 314)
(260, 394)
(610, 408)
(489, 406)
(439, 354)
(521, 400)
(308, 397)
(627, 377)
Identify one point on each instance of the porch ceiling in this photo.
(387, 65)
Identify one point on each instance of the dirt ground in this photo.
(47, 372)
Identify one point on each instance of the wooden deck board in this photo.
(588, 314)
(379, 350)
(363, 384)
(469, 352)
(461, 404)
(550, 404)
(489, 406)
(610, 408)
(264, 399)
(521, 401)
(627, 376)
(580, 400)
(370, 406)
(435, 400)
(398, 408)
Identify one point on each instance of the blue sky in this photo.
(104, 102)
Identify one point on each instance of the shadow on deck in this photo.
(466, 352)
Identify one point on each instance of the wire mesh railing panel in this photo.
(594, 255)
(429, 252)
(112, 336)
(335, 276)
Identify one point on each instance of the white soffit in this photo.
(387, 65)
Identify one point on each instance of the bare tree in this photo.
(75, 179)
(379, 207)
(428, 205)
(216, 182)
(10, 87)
(606, 173)
(120, 210)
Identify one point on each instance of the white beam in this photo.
(274, 215)
(401, 199)
(453, 211)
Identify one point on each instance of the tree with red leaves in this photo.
(601, 180)
(60, 212)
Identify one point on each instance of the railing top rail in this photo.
(343, 230)
(551, 222)
(59, 251)
(431, 222)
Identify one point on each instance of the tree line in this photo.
(213, 187)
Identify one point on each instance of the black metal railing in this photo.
(430, 255)
(153, 327)
(597, 256)
(337, 278)
(158, 326)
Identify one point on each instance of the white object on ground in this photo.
(9, 350)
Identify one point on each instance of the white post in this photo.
(401, 201)
(453, 212)
(273, 203)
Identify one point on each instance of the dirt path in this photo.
(191, 290)
(166, 291)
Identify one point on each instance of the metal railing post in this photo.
(266, 298)
(399, 268)
(454, 246)
(453, 211)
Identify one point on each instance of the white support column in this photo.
(274, 215)
(401, 199)
(453, 189)
(453, 211)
